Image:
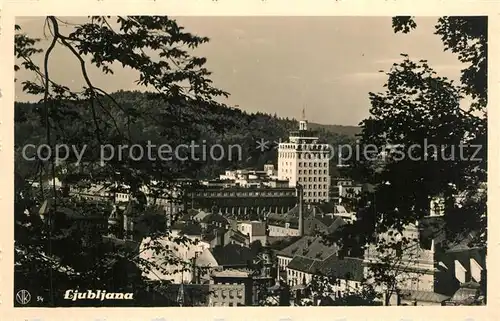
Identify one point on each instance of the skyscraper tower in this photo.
(302, 160)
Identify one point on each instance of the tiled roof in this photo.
(302, 263)
(313, 225)
(313, 247)
(238, 236)
(424, 296)
(346, 268)
(312, 255)
(338, 222)
(293, 214)
(233, 254)
(231, 273)
(212, 218)
(464, 294)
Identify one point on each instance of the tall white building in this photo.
(302, 160)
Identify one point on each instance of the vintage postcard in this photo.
(282, 163)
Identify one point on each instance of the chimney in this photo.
(125, 225)
(300, 191)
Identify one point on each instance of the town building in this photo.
(249, 177)
(242, 201)
(323, 218)
(231, 288)
(256, 230)
(343, 188)
(303, 160)
(312, 256)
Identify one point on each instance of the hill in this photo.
(350, 131)
(164, 124)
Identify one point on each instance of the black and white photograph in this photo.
(250, 161)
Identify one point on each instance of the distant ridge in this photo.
(350, 131)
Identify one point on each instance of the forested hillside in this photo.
(214, 125)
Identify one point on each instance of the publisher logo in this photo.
(23, 297)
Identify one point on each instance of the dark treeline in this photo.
(215, 125)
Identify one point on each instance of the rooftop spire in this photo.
(303, 122)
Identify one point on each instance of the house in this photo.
(255, 230)
(421, 298)
(215, 220)
(231, 288)
(315, 221)
(173, 263)
(234, 256)
(311, 256)
(309, 246)
(462, 275)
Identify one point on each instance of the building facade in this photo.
(302, 160)
(240, 201)
(255, 230)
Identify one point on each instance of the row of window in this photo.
(314, 186)
(301, 164)
(312, 194)
(298, 277)
(310, 146)
(311, 172)
(263, 193)
(313, 179)
(230, 293)
(279, 229)
(322, 164)
(306, 155)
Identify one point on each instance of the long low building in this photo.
(240, 201)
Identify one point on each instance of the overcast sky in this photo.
(281, 64)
